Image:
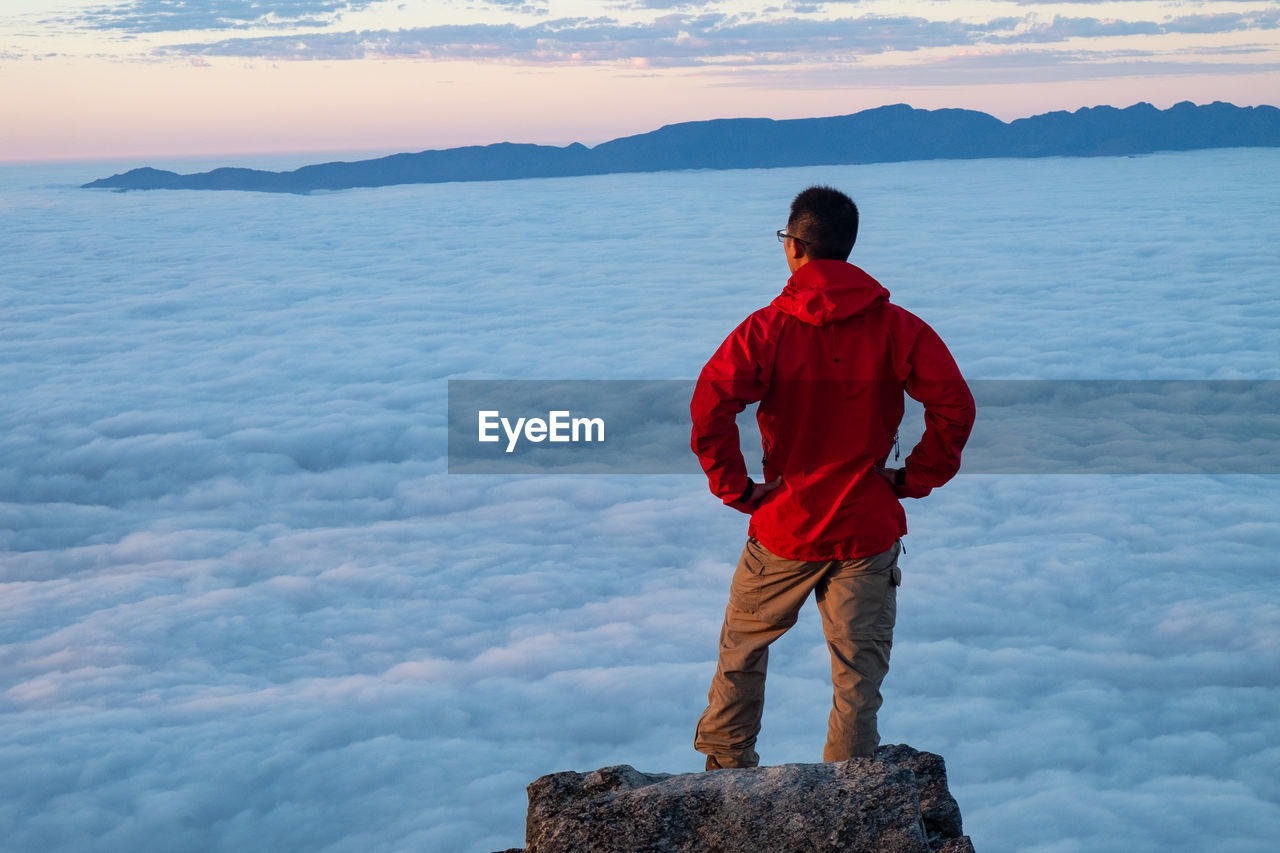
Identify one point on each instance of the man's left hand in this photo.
(896, 476)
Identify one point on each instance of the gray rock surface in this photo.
(896, 802)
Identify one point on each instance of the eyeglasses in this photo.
(783, 236)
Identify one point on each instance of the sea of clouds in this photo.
(244, 607)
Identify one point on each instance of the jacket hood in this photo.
(825, 291)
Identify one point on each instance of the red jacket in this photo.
(828, 361)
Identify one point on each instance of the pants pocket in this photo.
(860, 601)
(748, 579)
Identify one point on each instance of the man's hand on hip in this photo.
(759, 490)
(895, 476)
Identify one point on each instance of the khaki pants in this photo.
(858, 603)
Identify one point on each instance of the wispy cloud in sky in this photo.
(655, 29)
(666, 60)
(704, 39)
(158, 16)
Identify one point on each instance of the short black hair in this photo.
(826, 220)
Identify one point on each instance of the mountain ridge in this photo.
(890, 133)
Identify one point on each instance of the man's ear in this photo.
(795, 249)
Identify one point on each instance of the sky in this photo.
(86, 79)
(243, 605)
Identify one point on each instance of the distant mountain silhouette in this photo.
(882, 135)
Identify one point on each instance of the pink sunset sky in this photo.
(95, 79)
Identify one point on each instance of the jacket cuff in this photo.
(903, 486)
(740, 502)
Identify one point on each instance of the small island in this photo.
(882, 135)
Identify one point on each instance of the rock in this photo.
(896, 802)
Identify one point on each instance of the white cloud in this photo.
(242, 605)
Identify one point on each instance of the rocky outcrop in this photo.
(896, 802)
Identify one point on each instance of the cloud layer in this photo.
(243, 606)
(162, 16)
(683, 39)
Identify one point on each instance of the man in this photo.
(828, 361)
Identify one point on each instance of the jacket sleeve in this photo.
(935, 381)
(734, 377)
